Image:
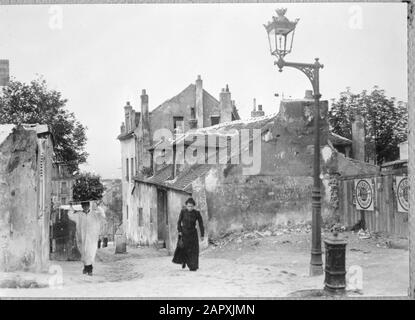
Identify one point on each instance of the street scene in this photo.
(169, 151)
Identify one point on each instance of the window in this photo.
(140, 217)
(214, 120)
(127, 170)
(127, 211)
(178, 124)
(64, 187)
(192, 113)
(132, 167)
(63, 200)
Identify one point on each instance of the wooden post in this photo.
(411, 144)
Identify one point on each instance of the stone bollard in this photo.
(120, 244)
(335, 278)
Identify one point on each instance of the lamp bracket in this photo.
(311, 70)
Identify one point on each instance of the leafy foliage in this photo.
(23, 103)
(87, 186)
(385, 120)
(112, 199)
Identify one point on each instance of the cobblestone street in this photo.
(268, 266)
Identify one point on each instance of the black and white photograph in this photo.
(207, 150)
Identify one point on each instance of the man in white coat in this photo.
(88, 225)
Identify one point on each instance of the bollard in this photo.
(120, 244)
(335, 269)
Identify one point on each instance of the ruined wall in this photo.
(237, 201)
(145, 197)
(281, 191)
(25, 201)
(335, 165)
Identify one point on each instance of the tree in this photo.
(87, 186)
(23, 103)
(385, 120)
(112, 200)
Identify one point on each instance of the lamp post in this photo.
(280, 35)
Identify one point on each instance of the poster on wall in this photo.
(364, 192)
(402, 193)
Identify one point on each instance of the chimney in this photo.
(145, 117)
(199, 102)
(225, 105)
(308, 94)
(144, 160)
(144, 105)
(122, 127)
(257, 113)
(127, 114)
(358, 138)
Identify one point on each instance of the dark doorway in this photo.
(162, 218)
(63, 238)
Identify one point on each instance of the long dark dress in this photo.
(186, 224)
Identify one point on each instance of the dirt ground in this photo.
(249, 264)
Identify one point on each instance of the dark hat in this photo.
(190, 200)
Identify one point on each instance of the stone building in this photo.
(62, 184)
(191, 109)
(275, 187)
(26, 155)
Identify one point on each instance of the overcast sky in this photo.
(100, 56)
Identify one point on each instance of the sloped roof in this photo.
(126, 135)
(191, 87)
(226, 128)
(183, 182)
(161, 175)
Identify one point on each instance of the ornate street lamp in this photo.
(281, 35)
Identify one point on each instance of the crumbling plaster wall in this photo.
(24, 209)
(282, 190)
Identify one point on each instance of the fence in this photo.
(381, 204)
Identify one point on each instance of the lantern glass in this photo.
(281, 34)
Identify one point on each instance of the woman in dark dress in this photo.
(186, 226)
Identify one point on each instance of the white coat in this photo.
(88, 227)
